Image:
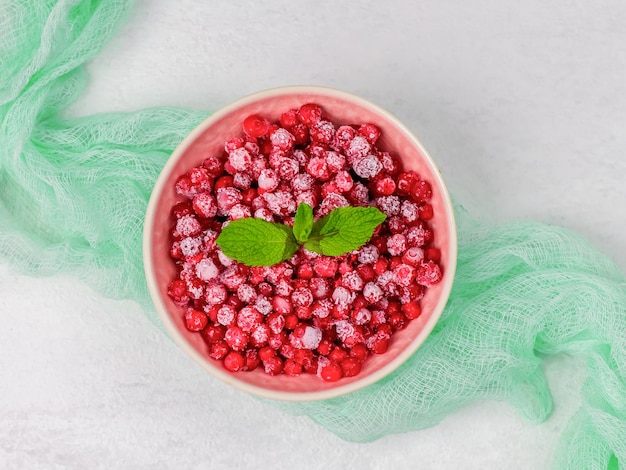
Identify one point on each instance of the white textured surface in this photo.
(522, 104)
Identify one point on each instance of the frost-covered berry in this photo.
(361, 316)
(330, 203)
(372, 293)
(215, 294)
(342, 296)
(318, 168)
(418, 235)
(409, 212)
(268, 180)
(305, 337)
(322, 131)
(240, 159)
(367, 254)
(206, 270)
(325, 266)
(226, 315)
(242, 180)
(404, 274)
(280, 202)
(343, 181)
(302, 297)
(413, 256)
(282, 139)
(359, 148)
(188, 226)
(236, 338)
(227, 198)
(302, 182)
(367, 167)
(352, 281)
(204, 205)
(263, 305)
(246, 293)
(389, 205)
(396, 244)
(428, 273)
(239, 211)
(320, 287)
(335, 161)
(264, 214)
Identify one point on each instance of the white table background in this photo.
(522, 104)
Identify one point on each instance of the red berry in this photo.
(309, 114)
(291, 321)
(278, 340)
(234, 361)
(426, 212)
(304, 312)
(182, 209)
(366, 272)
(218, 350)
(213, 333)
(325, 266)
(383, 186)
(397, 320)
(248, 195)
(256, 126)
(177, 290)
(421, 191)
(396, 224)
(331, 372)
(412, 310)
(195, 320)
(351, 367)
(337, 354)
(214, 166)
(378, 343)
(252, 359)
(370, 132)
(405, 182)
(266, 352)
(432, 254)
(289, 118)
(273, 365)
(359, 352)
(324, 347)
(292, 368)
(303, 356)
(225, 181)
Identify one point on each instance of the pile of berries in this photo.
(311, 314)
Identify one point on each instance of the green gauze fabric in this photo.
(73, 194)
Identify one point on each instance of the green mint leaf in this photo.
(343, 230)
(303, 222)
(255, 242)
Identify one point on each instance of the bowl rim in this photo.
(230, 378)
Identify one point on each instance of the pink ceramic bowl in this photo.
(208, 138)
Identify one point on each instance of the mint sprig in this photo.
(256, 242)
